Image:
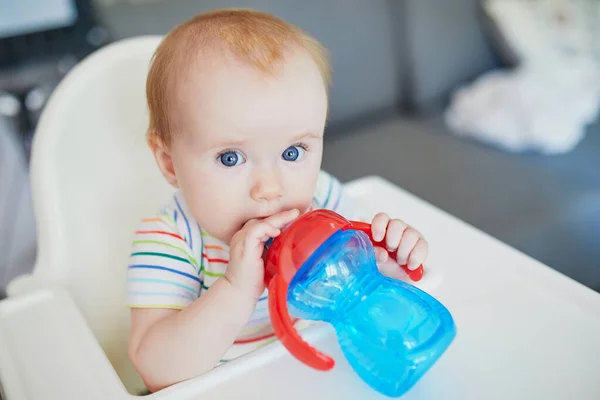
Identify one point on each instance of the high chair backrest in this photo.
(93, 179)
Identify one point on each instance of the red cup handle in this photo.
(415, 275)
(286, 332)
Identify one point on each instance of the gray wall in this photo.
(386, 54)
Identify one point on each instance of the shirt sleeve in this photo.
(330, 195)
(162, 273)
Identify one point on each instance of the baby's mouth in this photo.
(264, 215)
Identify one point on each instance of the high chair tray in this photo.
(524, 331)
(48, 352)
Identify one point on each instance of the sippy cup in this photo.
(323, 268)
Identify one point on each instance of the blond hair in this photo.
(256, 38)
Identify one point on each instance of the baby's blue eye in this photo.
(231, 158)
(293, 153)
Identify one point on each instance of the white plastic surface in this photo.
(524, 331)
(48, 352)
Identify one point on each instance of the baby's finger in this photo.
(262, 230)
(279, 220)
(407, 244)
(418, 255)
(391, 270)
(256, 238)
(381, 254)
(394, 232)
(250, 223)
(379, 226)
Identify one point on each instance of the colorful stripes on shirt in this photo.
(164, 269)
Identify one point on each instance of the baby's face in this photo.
(250, 143)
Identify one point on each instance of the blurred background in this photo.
(486, 109)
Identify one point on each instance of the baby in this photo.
(238, 104)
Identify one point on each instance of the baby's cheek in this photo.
(306, 206)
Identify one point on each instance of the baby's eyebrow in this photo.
(227, 143)
(233, 142)
(307, 135)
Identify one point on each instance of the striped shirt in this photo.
(173, 260)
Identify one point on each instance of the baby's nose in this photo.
(267, 188)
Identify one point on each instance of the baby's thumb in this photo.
(381, 254)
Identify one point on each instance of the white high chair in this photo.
(93, 178)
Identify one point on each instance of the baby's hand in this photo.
(409, 245)
(246, 266)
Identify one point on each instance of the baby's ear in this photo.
(162, 157)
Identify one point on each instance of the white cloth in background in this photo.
(532, 108)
